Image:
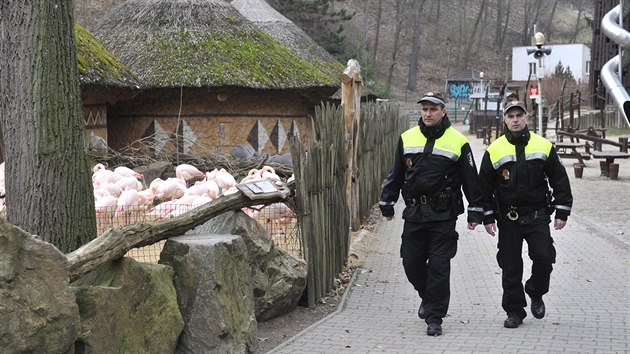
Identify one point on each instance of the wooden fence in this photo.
(321, 201)
(595, 120)
(378, 132)
(320, 173)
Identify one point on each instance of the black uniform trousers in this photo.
(426, 251)
(541, 252)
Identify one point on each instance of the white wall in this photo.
(575, 56)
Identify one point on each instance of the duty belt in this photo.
(514, 211)
(422, 199)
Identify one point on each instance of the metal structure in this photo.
(612, 27)
(539, 53)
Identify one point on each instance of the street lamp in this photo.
(480, 90)
(539, 52)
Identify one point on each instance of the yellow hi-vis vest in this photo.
(448, 145)
(502, 152)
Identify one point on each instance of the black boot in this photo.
(513, 321)
(538, 307)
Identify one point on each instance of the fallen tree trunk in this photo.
(115, 243)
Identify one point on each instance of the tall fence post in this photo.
(351, 83)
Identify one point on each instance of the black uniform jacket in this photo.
(423, 176)
(523, 181)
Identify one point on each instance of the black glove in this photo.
(387, 210)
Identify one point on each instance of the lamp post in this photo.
(480, 88)
(507, 77)
(539, 53)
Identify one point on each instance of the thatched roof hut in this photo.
(103, 80)
(286, 32)
(98, 66)
(203, 43)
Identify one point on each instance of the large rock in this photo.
(38, 311)
(128, 307)
(279, 278)
(214, 291)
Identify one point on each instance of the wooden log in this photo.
(115, 243)
(352, 69)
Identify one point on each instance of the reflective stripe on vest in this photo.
(448, 145)
(502, 152)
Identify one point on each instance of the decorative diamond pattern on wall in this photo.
(189, 137)
(258, 137)
(278, 136)
(294, 130)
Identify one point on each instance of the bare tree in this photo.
(48, 185)
(531, 15)
(473, 32)
(377, 35)
(576, 29)
(549, 27)
(462, 28)
(412, 78)
(502, 29)
(400, 18)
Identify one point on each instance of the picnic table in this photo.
(609, 168)
(610, 156)
(569, 150)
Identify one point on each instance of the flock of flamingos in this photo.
(122, 198)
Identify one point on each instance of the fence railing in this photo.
(378, 133)
(277, 219)
(322, 207)
(605, 119)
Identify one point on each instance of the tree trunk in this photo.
(400, 17)
(549, 27)
(473, 33)
(379, 13)
(48, 180)
(577, 22)
(498, 27)
(506, 25)
(461, 62)
(412, 78)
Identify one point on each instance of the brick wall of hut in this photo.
(210, 121)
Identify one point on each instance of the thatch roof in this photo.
(97, 65)
(202, 43)
(287, 33)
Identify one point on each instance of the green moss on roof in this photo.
(231, 58)
(203, 43)
(97, 64)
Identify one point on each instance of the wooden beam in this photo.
(115, 243)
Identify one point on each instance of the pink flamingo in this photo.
(127, 172)
(186, 172)
(171, 188)
(127, 202)
(105, 207)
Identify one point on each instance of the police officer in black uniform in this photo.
(431, 164)
(516, 172)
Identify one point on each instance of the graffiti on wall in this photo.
(459, 89)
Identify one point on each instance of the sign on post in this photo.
(533, 92)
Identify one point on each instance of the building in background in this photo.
(576, 57)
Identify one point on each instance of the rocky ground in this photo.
(601, 202)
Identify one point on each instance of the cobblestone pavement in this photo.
(588, 305)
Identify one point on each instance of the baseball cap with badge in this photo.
(514, 104)
(433, 97)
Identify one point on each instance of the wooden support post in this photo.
(351, 83)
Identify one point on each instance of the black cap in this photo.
(512, 104)
(433, 97)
